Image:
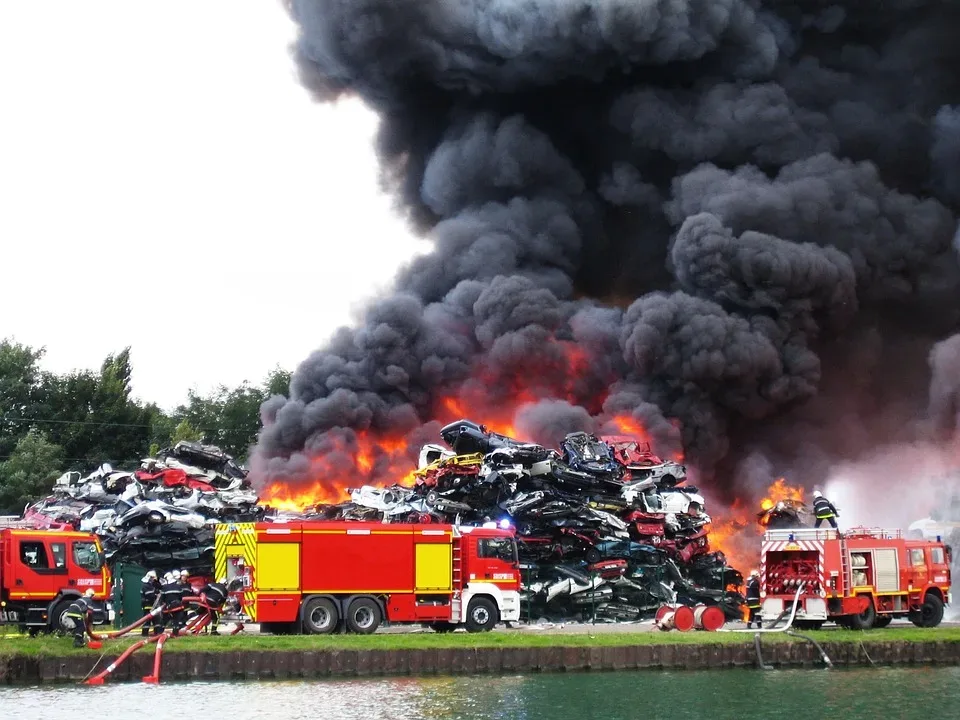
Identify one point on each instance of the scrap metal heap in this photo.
(605, 528)
(161, 515)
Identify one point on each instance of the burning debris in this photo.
(604, 525)
(160, 515)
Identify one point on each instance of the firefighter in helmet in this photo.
(149, 592)
(75, 619)
(171, 595)
(824, 510)
(753, 599)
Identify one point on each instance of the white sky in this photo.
(166, 183)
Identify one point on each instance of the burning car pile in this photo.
(161, 515)
(605, 528)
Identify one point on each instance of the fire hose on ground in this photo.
(193, 627)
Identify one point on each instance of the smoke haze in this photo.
(732, 221)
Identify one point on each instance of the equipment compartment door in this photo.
(278, 567)
(434, 562)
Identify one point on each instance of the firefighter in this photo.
(171, 595)
(215, 595)
(824, 510)
(753, 599)
(75, 619)
(149, 593)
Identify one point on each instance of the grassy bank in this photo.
(53, 646)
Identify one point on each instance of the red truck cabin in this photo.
(42, 571)
(320, 574)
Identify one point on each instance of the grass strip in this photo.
(47, 646)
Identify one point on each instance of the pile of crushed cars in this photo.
(161, 515)
(606, 529)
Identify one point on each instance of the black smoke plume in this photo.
(732, 220)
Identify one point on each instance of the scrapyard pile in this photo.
(606, 529)
(161, 515)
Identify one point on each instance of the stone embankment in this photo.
(283, 665)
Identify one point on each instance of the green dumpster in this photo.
(126, 593)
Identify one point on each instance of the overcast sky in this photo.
(166, 183)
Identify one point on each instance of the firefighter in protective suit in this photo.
(75, 619)
(149, 592)
(753, 600)
(171, 595)
(824, 510)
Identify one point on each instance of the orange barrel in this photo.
(683, 618)
(668, 622)
(708, 617)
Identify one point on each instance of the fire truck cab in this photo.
(862, 578)
(43, 571)
(318, 577)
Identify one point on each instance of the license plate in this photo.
(9, 616)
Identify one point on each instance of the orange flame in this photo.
(781, 491)
(732, 533)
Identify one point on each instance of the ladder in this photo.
(457, 580)
(845, 566)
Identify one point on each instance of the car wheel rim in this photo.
(481, 616)
(363, 617)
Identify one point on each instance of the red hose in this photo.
(157, 658)
(122, 631)
(98, 679)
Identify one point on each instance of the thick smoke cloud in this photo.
(732, 222)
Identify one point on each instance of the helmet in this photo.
(222, 580)
(152, 574)
(175, 574)
(184, 574)
(89, 593)
(754, 573)
(817, 493)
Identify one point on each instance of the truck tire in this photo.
(931, 612)
(59, 610)
(865, 620)
(363, 616)
(882, 621)
(481, 615)
(320, 616)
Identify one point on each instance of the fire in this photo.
(347, 460)
(732, 533)
(781, 491)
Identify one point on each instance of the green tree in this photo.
(185, 432)
(29, 472)
(20, 381)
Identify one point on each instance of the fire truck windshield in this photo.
(501, 548)
(86, 555)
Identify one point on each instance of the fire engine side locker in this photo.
(277, 568)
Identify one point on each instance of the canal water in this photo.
(813, 694)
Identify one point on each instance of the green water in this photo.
(877, 694)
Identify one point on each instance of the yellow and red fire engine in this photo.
(43, 571)
(320, 576)
(862, 578)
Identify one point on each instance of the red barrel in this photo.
(683, 618)
(662, 612)
(708, 617)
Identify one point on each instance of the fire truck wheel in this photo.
(865, 620)
(481, 615)
(931, 612)
(363, 616)
(320, 616)
(882, 621)
(57, 614)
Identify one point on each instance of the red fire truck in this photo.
(320, 576)
(43, 571)
(861, 578)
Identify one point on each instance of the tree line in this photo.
(50, 422)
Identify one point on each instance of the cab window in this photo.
(936, 556)
(34, 555)
(916, 557)
(500, 548)
(86, 555)
(59, 552)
